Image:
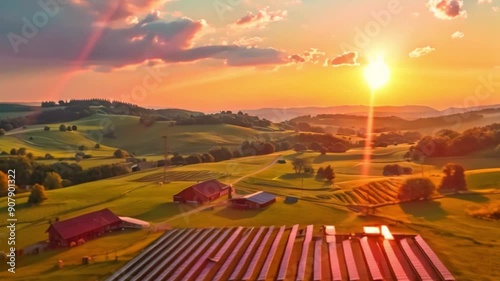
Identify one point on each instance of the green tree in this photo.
(37, 195)
(207, 157)
(21, 151)
(13, 151)
(62, 128)
(454, 178)
(416, 189)
(269, 148)
(298, 164)
(74, 127)
(46, 128)
(119, 153)
(2, 132)
(52, 181)
(329, 174)
(320, 174)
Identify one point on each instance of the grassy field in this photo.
(468, 246)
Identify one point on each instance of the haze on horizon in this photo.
(219, 55)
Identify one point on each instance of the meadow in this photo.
(443, 222)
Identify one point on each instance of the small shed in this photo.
(257, 200)
(202, 192)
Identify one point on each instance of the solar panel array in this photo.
(283, 253)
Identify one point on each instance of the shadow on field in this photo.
(293, 176)
(429, 210)
(473, 197)
(335, 157)
(163, 211)
(237, 214)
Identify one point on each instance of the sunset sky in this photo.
(243, 54)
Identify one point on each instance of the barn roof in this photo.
(210, 187)
(77, 225)
(260, 197)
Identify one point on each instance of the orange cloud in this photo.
(261, 19)
(347, 58)
(447, 9)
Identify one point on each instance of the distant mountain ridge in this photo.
(408, 112)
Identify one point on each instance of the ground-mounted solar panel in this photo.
(334, 261)
(317, 273)
(247, 255)
(176, 264)
(218, 256)
(270, 256)
(352, 269)
(223, 270)
(301, 273)
(202, 260)
(370, 260)
(147, 265)
(288, 253)
(436, 262)
(415, 262)
(256, 257)
(185, 243)
(132, 266)
(397, 268)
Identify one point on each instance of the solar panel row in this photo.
(269, 253)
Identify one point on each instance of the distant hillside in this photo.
(408, 112)
(14, 107)
(283, 114)
(382, 124)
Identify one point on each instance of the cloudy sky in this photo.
(241, 54)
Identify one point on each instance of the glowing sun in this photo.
(377, 73)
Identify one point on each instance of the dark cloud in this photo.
(76, 36)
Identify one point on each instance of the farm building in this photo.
(86, 227)
(202, 192)
(257, 200)
(253, 253)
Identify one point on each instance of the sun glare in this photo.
(377, 73)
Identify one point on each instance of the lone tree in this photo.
(120, 153)
(53, 181)
(37, 195)
(329, 174)
(416, 189)
(454, 178)
(320, 174)
(21, 151)
(299, 164)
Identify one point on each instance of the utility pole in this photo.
(165, 161)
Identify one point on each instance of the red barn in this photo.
(256, 200)
(86, 227)
(202, 192)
